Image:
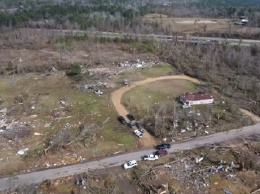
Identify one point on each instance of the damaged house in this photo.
(189, 99)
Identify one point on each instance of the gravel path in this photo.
(117, 160)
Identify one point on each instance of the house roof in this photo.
(197, 96)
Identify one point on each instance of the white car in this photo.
(130, 164)
(138, 133)
(151, 157)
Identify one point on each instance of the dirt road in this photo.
(147, 139)
(254, 117)
(117, 160)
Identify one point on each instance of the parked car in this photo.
(130, 164)
(138, 133)
(151, 157)
(161, 152)
(130, 117)
(163, 146)
(139, 126)
(131, 124)
(121, 119)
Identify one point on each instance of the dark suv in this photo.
(131, 124)
(161, 153)
(138, 124)
(121, 119)
(163, 146)
(130, 117)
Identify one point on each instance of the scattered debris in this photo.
(85, 131)
(106, 120)
(62, 102)
(16, 130)
(137, 64)
(34, 116)
(98, 92)
(198, 160)
(53, 70)
(59, 139)
(37, 133)
(67, 117)
(22, 152)
(125, 82)
(80, 182)
(226, 191)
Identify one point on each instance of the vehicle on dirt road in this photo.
(151, 157)
(161, 152)
(121, 119)
(139, 125)
(131, 124)
(130, 164)
(163, 146)
(138, 133)
(130, 117)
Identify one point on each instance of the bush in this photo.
(74, 70)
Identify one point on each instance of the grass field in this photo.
(192, 25)
(44, 94)
(143, 98)
(133, 75)
(157, 70)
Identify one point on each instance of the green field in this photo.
(142, 99)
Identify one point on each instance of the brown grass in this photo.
(159, 92)
(34, 50)
(192, 25)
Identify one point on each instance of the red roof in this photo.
(197, 96)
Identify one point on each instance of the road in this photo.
(185, 39)
(117, 160)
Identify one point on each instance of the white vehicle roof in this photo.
(138, 133)
(132, 161)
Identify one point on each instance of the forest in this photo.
(114, 15)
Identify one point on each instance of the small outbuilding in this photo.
(189, 99)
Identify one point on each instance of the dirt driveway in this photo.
(147, 139)
(254, 117)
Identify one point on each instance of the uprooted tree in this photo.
(84, 132)
(60, 138)
(63, 138)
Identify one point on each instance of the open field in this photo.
(34, 97)
(199, 25)
(143, 98)
(41, 97)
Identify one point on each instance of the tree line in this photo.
(115, 15)
(68, 16)
(232, 70)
